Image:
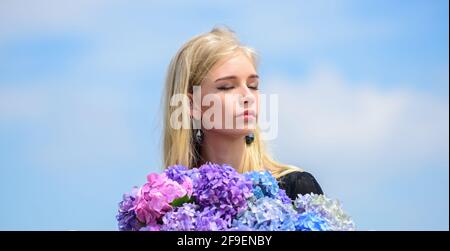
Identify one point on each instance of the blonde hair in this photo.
(188, 68)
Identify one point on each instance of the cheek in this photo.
(221, 101)
(230, 104)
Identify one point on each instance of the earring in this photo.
(199, 136)
(249, 138)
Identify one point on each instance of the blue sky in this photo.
(363, 89)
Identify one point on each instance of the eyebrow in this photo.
(234, 77)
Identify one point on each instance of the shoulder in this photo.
(299, 182)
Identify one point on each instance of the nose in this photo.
(247, 96)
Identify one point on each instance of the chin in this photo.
(236, 132)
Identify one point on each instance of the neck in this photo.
(223, 149)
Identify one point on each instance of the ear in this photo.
(191, 104)
(194, 109)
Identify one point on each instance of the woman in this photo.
(215, 67)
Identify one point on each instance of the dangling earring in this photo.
(249, 138)
(199, 136)
(198, 132)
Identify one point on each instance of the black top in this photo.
(299, 183)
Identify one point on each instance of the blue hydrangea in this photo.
(265, 185)
(267, 214)
(311, 222)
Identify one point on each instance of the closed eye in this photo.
(254, 86)
(225, 87)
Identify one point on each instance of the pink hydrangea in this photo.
(155, 196)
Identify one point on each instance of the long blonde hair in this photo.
(187, 68)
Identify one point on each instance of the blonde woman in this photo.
(217, 67)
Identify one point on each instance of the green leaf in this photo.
(180, 201)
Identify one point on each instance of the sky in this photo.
(363, 96)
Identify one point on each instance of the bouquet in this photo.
(217, 198)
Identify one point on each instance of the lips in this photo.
(247, 113)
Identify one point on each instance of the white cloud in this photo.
(71, 127)
(17, 16)
(324, 119)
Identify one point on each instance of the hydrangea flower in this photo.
(319, 212)
(221, 186)
(267, 214)
(189, 217)
(155, 196)
(265, 185)
(213, 219)
(311, 222)
(126, 216)
(177, 173)
(216, 197)
(151, 227)
(180, 219)
(283, 197)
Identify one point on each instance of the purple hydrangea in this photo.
(151, 227)
(283, 197)
(189, 217)
(213, 219)
(126, 217)
(181, 218)
(177, 173)
(221, 186)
